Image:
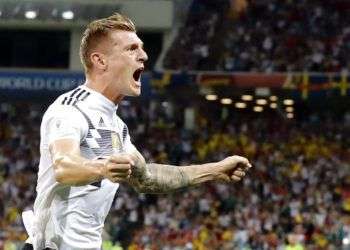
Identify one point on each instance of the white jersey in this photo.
(68, 217)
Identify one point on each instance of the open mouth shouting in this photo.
(137, 75)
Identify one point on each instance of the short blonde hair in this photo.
(98, 30)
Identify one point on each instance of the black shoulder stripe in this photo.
(80, 93)
(75, 96)
(64, 100)
(69, 101)
(74, 92)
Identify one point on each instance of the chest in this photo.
(106, 134)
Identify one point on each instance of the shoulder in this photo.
(70, 98)
(64, 106)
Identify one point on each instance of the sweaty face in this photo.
(125, 61)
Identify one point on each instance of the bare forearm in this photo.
(158, 178)
(77, 171)
(200, 173)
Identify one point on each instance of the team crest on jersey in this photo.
(116, 142)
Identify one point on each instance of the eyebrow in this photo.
(135, 43)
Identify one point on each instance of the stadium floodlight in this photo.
(226, 101)
(273, 98)
(273, 105)
(211, 97)
(261, 102)
(288, 102)
(240, 105)
(290, 109)
(30, 14)
(258, 109)
(290, 115)
(247, 97)
(68, 15)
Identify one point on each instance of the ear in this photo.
(99, 60)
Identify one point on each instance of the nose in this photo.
(143, 57)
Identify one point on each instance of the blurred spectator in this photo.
(296, 197)
(265, 36)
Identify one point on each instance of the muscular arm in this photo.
(74, 170)
(158, 178)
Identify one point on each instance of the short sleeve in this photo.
(65, 122)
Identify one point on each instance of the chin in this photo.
(138, 93)
(134, 89)
(135, 92)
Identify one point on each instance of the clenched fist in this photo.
(232, 168)
(117, 168)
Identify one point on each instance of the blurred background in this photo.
(266, 79)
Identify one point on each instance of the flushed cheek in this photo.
(126, 76)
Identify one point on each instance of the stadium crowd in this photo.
(297, 196)
(263, 36)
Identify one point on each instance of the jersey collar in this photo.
(100, 101)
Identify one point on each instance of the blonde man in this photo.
(86, 149)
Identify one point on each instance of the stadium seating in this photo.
(298, 190)
(266, 36)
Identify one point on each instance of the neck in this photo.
(103, 87)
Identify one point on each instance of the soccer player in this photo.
(86, 151)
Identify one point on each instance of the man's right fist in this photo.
(117, 168)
